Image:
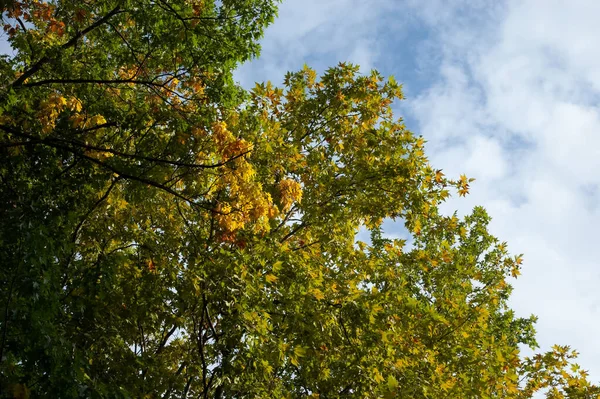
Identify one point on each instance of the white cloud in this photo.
(320, 33)
(517, 97)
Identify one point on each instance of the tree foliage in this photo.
(167, 234)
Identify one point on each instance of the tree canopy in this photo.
(167, 234)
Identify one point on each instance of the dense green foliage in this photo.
(167, 234)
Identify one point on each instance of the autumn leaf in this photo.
(317, 294)
(439, 176)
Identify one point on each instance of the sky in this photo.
(506, 92)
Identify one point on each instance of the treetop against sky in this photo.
(168, 233)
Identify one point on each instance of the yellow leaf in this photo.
(417, 228)
(438, 176)
(77, 120)
(271, 278)
(446, 385)
(317, 293)
(377, 376)
(97, 120)
(74, 104)
(518, 260)
(300, 351)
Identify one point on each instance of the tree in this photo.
(167, 234)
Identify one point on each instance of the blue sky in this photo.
(504, 91)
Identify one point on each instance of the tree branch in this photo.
(147, 158)
(44, 60)
(98, 81)
(118, 172)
